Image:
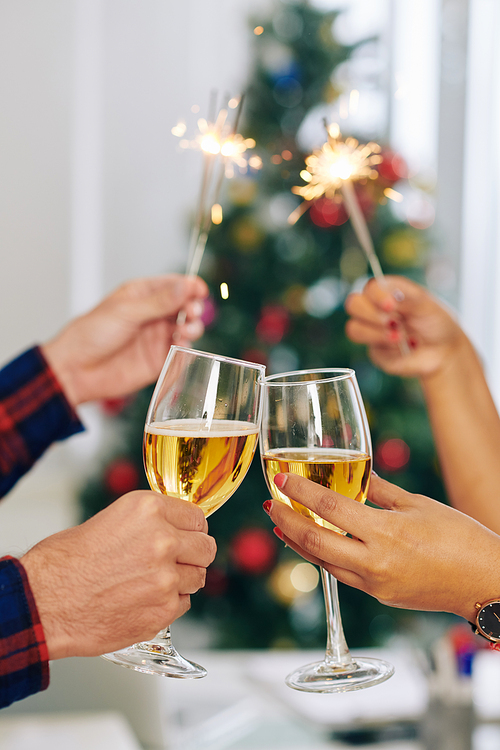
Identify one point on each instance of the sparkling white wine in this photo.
(344, 471)
(204, 466)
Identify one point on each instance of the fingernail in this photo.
(279, 533)
(280, 480)
(394, 335)
(374, 473)
(398, 295)
(197, 309)
(393, 324)
(388, 304)
(267, 507)
(192, 330)
(412, 343)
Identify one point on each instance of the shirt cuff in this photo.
(34, 412)
(24, 657)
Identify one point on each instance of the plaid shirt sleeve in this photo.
(24, 659)
(33, 413)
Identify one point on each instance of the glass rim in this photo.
(221, 357)
(344, 373)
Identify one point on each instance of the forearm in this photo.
(466, 428)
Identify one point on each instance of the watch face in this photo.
(488, 620)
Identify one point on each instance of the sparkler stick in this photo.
(361, 229)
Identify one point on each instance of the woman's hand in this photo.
(385, 314)
(465, 422)
(120, 345)
(409, 552)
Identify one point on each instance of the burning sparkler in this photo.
(224, 151)
(334, 168)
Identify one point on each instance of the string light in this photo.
(393, 195)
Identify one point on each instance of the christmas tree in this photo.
(284, 288)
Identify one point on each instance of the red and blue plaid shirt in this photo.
(33, 414)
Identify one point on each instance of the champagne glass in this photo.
(200, 437)
(314, 424)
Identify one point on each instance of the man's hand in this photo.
(120, 345)
(121, 576)
(410, 551)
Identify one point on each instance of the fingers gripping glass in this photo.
(314, 424)
(200, 437)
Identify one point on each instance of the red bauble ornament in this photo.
(253, 551)
(215, 582)
(327, 213)
(255, 355)
(392, 455)
(114, 406)
(121, 477)
(392, 167)
(273, 324)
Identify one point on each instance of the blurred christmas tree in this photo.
(281, 303)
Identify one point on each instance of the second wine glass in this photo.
(314, 424)
(200, 437)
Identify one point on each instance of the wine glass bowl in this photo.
(314, 424)
(200, 436)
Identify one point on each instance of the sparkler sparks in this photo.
(328, 168)
(220, 138)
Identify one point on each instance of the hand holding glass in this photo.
(199, 440)
(314, 424)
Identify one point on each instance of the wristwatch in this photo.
(488, 620)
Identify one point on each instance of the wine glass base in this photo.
(155, 658)
(320, 677)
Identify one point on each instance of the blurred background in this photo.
(95, 190)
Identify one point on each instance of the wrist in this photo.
(54, 353)
(57, 638)
(456, 359)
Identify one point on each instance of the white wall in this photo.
(35, 87)
(156, 59)
(480, 262)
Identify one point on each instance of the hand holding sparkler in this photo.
(333, 168)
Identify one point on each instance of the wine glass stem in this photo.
(165, 637)
(162, 642)
(337, 652)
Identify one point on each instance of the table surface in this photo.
(244, 704)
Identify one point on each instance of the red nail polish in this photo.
(278, 533)
(267, 506)
(393, 324)
(280, 480)
(412, 343)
